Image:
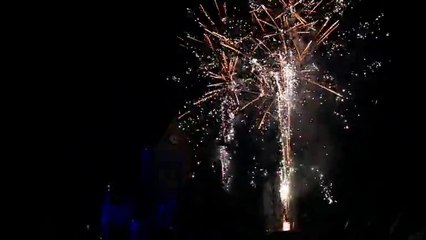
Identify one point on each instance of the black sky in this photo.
(106, 97)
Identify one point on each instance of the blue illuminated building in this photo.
(163, 172)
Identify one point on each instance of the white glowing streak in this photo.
(285, 81)
(225, 163)
(227, 122)
(228, 135)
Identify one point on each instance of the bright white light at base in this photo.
(286, 226)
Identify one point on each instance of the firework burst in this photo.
(264, 65)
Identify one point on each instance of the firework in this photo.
(266, 65)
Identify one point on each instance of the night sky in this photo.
(107, 97)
